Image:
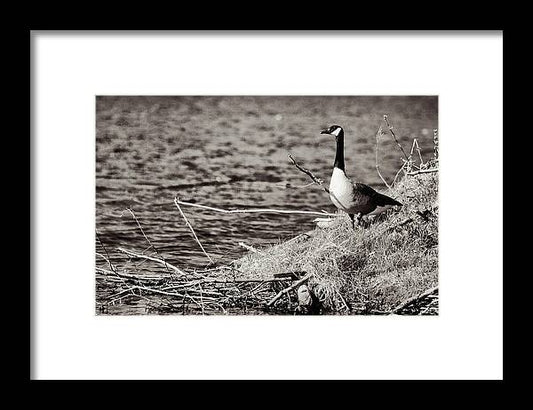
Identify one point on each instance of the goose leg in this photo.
(359, 215)
(358, 219)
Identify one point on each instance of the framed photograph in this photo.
(229, 201)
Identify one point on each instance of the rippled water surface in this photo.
(231, 152)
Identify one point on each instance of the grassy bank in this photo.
(366, 271)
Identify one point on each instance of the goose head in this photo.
(334, 130)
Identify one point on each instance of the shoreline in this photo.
(369, 271)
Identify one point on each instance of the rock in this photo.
(304, 296)
(308, 303)
(323, 222)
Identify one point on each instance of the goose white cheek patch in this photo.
(336, 132)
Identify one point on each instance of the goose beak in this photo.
(326, 131)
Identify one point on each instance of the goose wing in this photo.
(364, 193)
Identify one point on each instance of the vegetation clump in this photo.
(371, 269)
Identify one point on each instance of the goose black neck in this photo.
(339, 155)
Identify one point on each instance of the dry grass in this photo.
(370, 270)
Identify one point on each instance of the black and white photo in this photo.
(254, 205)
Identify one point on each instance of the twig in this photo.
(140, 227)
(107, 258)
(379, 133)
(415, 142)
(436, 144)
(385, 117)
(161, 292)
(228, 282)
(110, 277)
(343, 301)
(412, 149)
(309, 173)
(176, 201)
(286, 290)
(247, 211)
(292, 274)
(201, 299)
(123, 276)
(423, 171)
(246, 280)
(398, 173)
(413, 299)
(202, 291)
(314, 178)
(146, 237)
(122, 295)
(251, 292)
(137, 255)
(410, 163)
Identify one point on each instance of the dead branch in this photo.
(314, 178)
(146, 237)
(343, 300)
(161, 292)
(385, 117)
(413, 299)
(436, 144)
(398, 173)
(292, 274)
(410, 164)
(192, 230)
(123, 276)
(230, 281)
(201, 300)
(107, 257)
(251, 280)
(309, 173)
(423, 171)
(247, 211)
(255, 289)
(141, 256)
(415, 142)
(287, 290)
(379, 133)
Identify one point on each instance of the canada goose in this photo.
(353, 198)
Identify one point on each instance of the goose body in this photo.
(353, 198)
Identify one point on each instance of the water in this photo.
(231, 152)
